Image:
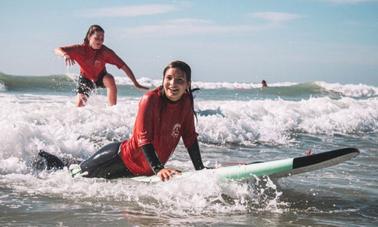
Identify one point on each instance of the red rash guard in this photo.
(162, 124)
(92, 62)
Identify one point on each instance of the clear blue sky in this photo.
(244, 41)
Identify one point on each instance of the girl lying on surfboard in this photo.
(92, 56)
(164, 116)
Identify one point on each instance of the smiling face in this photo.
(96, 40)
(175, 84)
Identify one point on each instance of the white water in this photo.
(29, 123)
(350, 90)
(275, 121)
(53, 123)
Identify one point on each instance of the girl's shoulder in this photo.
(107, 50)
(75, 47)
(152, 96)
(155, 93)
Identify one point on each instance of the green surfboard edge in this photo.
(237, 172)
(243, 172)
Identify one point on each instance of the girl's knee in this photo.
(81, 100)
(109, 81)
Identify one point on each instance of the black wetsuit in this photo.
(85, 86)
(106, 162)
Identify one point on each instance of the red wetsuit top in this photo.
(161, 123)
(92, 62)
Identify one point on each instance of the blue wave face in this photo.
(293, 92)
(66, 84)
(53, 83)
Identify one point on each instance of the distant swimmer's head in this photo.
(176, 80)
(95, 36)
(264, 84)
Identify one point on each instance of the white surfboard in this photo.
(277, 168)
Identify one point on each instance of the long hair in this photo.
(188, 74)
(91, 30)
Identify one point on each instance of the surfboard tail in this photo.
(288, 167)
(319, 161)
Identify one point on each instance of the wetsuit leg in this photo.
(48, 161)
(100, 80)
(84, 86)
(105, 163)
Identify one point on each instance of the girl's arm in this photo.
(153, 160)
(130, 74)
(155, 164)
(60, 52)
(195, 155)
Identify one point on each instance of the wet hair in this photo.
(182, 66)
(188, 74)
(91, 30)
(264, 84)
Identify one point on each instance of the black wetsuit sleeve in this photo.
(152, 158)
(195, 155)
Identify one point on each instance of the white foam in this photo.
(54, 124)
(123, 80)
(350, 90)
(276, 121)
(177, 197)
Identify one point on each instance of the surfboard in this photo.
(274, 169)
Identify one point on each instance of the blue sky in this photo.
(244, 41)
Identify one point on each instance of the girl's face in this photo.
(175, 84)
(96, 40)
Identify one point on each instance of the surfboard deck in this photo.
(276, 168)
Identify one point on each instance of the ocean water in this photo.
(237, 123)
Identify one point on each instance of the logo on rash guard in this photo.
(97, 63)
(176, 130)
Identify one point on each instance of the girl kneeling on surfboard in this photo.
(165, 115)
(92, 56)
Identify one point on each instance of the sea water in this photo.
(236, 123)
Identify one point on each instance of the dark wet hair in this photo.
(91, 30)
(182, 66)
(264, 84)
(188, 74)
